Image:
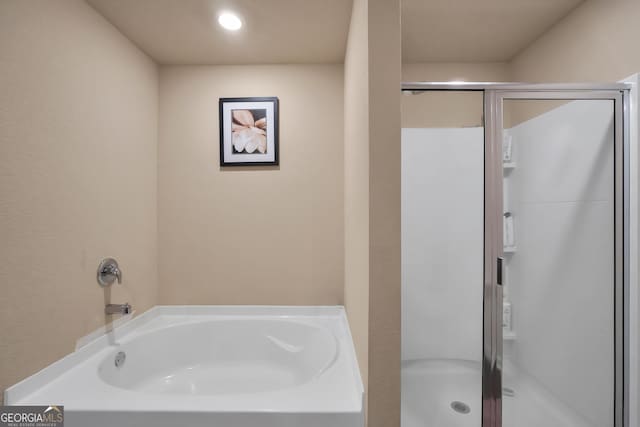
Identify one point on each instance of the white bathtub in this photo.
(209, 366)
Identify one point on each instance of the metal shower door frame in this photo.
(494, 96)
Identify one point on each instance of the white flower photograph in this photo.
(248, 131)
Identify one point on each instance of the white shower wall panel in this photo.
(442, 243)
(561, 278)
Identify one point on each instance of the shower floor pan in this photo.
(447, 393)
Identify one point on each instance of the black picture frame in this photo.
(249, 131)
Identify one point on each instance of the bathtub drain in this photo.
(460, 407)
(120, 358)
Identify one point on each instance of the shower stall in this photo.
(515, 220)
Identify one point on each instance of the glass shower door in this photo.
(513, 277)
(558, 358)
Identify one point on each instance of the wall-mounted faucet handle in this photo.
(109, 272)
(114, 270)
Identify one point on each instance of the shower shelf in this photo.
(508, 336)
(510, 249)
(509, 165)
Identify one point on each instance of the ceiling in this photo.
(274, 31)
(312, 31)
(475, 30)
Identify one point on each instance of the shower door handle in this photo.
(499, 268)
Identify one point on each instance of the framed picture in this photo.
(248, 131)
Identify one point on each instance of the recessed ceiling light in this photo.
(229, 21)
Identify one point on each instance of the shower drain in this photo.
(460, 407)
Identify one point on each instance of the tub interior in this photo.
(221, 357)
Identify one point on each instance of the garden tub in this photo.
(209, 366)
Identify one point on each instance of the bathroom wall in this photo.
(78, 127)
(560, 280)
(372, 201)
(251, 235)
(442, 243)
(384, 209)
(356, 183)
(455, 71)
(596, 42)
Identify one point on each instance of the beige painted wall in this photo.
(78, 125)
(356, 183)
(260, 235)
(385, 67)
(451, 71)
(598, 41)
(372, 202)
(448, 109)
